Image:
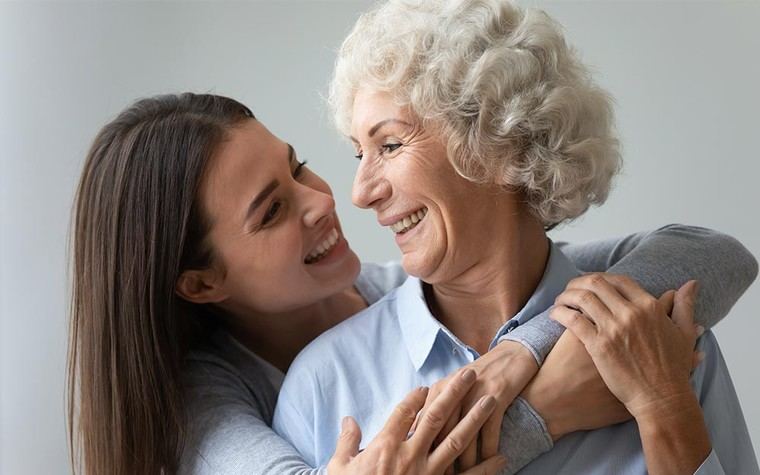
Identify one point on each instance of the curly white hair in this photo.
(514, 102)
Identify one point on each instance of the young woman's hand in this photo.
(394, 452)
(569, 394)
(502, 372)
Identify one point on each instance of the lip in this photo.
(335, 254)
(327, 229)
(405, 237)
(388, 220)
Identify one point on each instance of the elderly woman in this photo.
(477, 129)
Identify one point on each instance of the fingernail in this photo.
(468, 375)
(694, 288)
(422, 389)
(700, 356)
(501, 462)
(700, 330)
(487, 403)
(343, 424)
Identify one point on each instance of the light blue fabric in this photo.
(365, 365)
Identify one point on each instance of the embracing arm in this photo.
(660, 260)
(227, 434)
(668, 257)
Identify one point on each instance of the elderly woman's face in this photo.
(442, 223)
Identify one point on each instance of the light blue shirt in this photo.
(367, 364)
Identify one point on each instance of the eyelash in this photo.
(276, 205)
(389, 148)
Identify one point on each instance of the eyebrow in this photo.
(268, 190)
(377, 126)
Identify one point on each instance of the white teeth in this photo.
(322, 248)
(409, 222)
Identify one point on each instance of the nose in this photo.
(320, 206)
(370, 186)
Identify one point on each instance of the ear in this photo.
(200, 286)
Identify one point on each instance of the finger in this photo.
(469, 457)
(434, 418)
(450, 424)
(464, 432)
(683, 309)
(348, 441)
(667, 300)
(586, 301)
(627, 287)
(696, 359)
(490, 434)
(574, 321)
(488, 467)
(602, 286)
(432, 394)
(401, 419)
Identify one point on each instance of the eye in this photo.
(299, 169)
(391, 147)
(271, 212)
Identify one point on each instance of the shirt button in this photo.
(454, 351)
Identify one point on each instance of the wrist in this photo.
(518, 353)
(548, 408)
(666, 403)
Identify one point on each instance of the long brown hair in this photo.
(137, 225)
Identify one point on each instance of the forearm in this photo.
(674, 436)
(668, 257)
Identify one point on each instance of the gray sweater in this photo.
(231, 393)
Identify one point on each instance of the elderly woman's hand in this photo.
(645, 358)
(394, 452)
(503, 372)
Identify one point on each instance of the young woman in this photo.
(206, 256)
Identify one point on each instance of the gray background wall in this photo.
(685, 76)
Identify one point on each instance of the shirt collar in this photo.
(558, 272)
(419, 328)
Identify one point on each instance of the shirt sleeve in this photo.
(294, 427)
(711, 466)
(732, 450)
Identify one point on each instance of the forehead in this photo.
(242, 164)
(371, 106)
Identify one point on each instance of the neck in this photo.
(279, 337)
(489, 291)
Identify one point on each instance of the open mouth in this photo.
(408, 222)
(323, 248)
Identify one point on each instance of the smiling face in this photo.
(443, 224)
(274, 229)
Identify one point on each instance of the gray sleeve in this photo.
(227, 435)
(658, 260)
(670, 256)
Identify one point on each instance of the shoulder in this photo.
(218, 381)
(333, 352)
(376, 280)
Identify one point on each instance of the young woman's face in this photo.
(274, 228)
